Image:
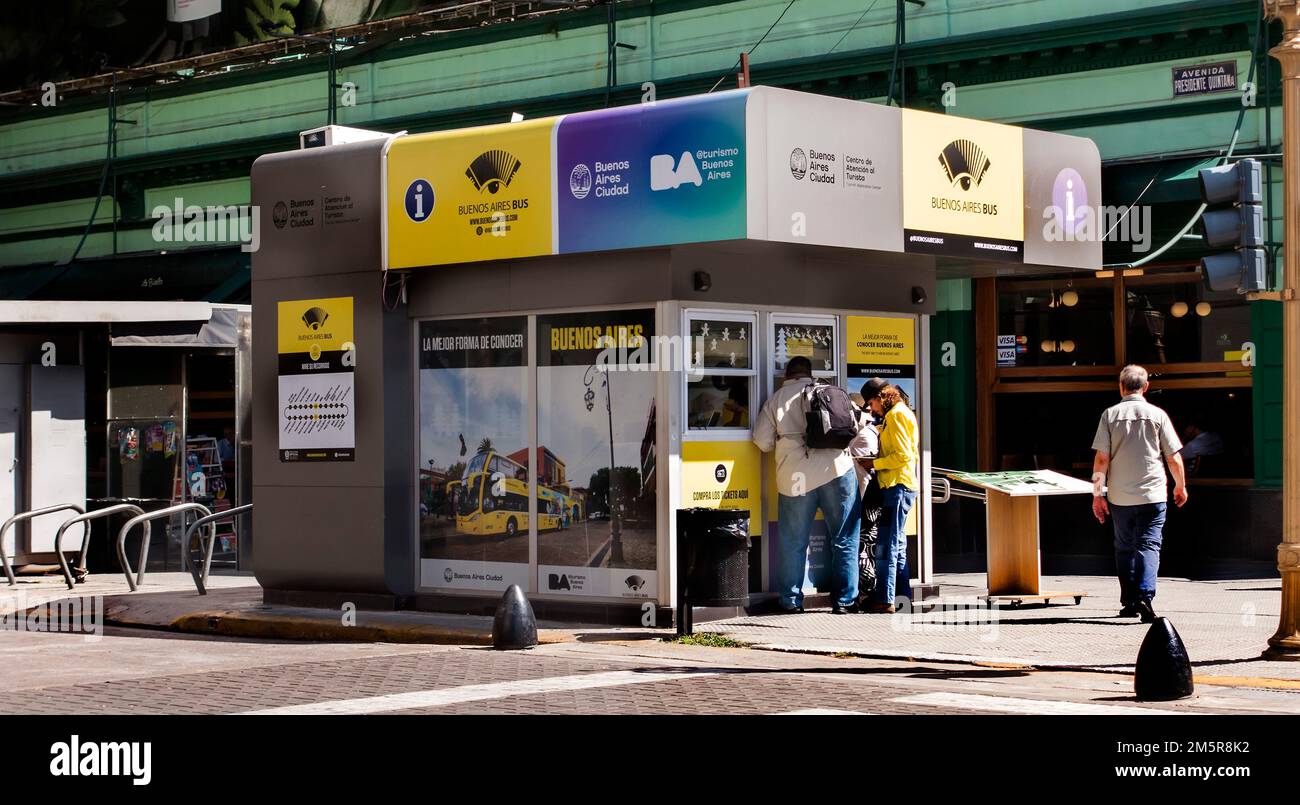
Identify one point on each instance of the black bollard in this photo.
(515, 625)
(1164, 671)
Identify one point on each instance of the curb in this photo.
(1264, 682)
(230, 623)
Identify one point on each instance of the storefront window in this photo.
(1176, 319)
(596, 438)
(144, 430)
(1169, 322)
(720, 387)
(1043, 323)
(1055, 431)
(473, 494)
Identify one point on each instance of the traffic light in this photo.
(1239, 227)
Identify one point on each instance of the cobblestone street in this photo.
(141, 672)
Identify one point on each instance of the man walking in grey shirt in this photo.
(1132, 437)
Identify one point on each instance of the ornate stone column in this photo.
(1286, 642)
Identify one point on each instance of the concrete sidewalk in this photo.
(1224, 624)
(233, 608)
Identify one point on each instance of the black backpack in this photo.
(832, 417)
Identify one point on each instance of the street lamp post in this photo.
(615, 527)
(1286, 642)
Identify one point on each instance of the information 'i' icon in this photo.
(419, 200)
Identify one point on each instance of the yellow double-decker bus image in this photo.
(491, 498)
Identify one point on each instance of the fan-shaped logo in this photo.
(798, 163)
(280, 214)
(493, 170)
(314, 318)
(580, 181)
(634, 582)
(965, 163)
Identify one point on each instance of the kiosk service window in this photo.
(720, 386)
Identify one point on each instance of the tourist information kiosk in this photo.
(1011, 509)
(508, 354)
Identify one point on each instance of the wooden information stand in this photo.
(1011, 517)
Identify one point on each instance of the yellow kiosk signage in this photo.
(964, 190)
(722, 475)
(316, 403)
(874, 340)
(470, 194)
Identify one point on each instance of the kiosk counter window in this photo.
(811, 337)
(720, 385)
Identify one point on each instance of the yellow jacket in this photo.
(899, 447)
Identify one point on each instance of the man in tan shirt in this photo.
(1131, 439)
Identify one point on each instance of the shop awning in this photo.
(221, 330)
(138, 324)
(49, 311)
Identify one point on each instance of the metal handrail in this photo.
(31, 515)
(144, 518)
(85, 543)
(954, 491)
(943, 484)
(201, 578)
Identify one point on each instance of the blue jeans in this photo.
(1138, 534)
(838, 501)
(891, 545)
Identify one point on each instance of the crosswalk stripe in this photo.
(475, 693)
(1006, 704)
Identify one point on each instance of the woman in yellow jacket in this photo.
(896, 470)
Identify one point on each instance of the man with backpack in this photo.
(809, 425)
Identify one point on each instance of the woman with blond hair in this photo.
(896, 473)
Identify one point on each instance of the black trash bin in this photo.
(713, 560)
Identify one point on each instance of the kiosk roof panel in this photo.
(762, 164)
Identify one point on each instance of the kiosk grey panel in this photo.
(56, 440)
(11, 403)
(326, 525)
(320, 211)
